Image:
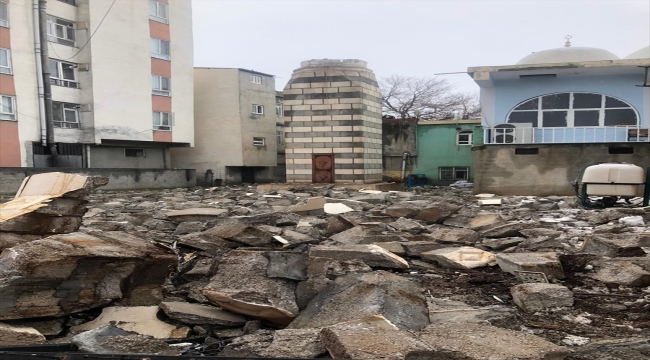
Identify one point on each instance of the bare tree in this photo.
(428, 98)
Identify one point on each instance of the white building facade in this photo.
(121, 83)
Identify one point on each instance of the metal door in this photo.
(322, 168)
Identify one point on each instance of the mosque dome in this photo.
(643, 53)
(568, 54)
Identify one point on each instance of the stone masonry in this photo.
(333, 107)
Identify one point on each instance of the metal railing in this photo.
(64, 83)
(555, 135)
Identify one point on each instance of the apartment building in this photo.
(121, 76)
(235, 119)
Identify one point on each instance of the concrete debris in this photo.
(286, 265)
(247, 235)
(197, 314)
(537, 296)
(242, 286)
(445, 310)
(490, 202)
(612, 245)
(618, 273)
(287, 343)
(437, 213)
(548, 263)
(109, 339)
(336, 208)
(195, 214)
(314, 206)
(19, 335)
(372, 255)
(572, 340)
(454, 236)
(369, 338)
(632, 221)
(460, 257)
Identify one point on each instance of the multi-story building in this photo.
(121, 75)
(235, 120)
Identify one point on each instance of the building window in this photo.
(5, 61)
(158, 11)
(575, 109)
(70, 2)
(464, 138)
(4, 14)
(256, 79)
(162, 121)
(7, 107)
(279, 110)
(258, 109)
(159, 49)
(280, 136)
(258, 141)
(65, 115)
(60, 31)
(63, 74)
(449, 173)
(160, 85)
(138, 153)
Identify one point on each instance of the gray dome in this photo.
(568, 54)
(643, 53)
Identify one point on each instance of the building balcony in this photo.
(513, 134)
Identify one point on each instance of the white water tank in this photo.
(609, 176)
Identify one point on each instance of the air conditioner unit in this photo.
(514, 133)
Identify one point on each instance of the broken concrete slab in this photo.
(445, 310)
(372, 255)
(406, 225)
(45, 326)
(460, 257)
(189, 227)
(437, 213)
(11, 335)
(292, 266)
(615, 245)
(482, 222)
(507, 230)
(617, 273)
(337, 224)
(541, 232)
(392, 246)
(474, 341)
(243, 234)
(109, 339)
(241, 286)
(336, 208)
(138, 319)
(287, 343)
(487, 202)
(533, 297)
(416, 248)
(332, 267)
(546, 262)
(455, 236)
(502, 243)
(83, 270)
(355, 295)
(402, 210)
(314, 206)
(197, 314)
(368, 338)
(195, 214)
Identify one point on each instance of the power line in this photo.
(94, 32)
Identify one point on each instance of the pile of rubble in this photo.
(329, 272)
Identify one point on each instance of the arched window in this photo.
(574, 109)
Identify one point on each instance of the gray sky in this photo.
(408, 37)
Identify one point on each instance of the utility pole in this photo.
(47, 87)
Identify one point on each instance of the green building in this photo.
(444, 150)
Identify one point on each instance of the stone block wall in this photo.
(333, 107)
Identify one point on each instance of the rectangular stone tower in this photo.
(332, 116)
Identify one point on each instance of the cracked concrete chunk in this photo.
(11, 335)
(437, 213)
(455, 236)
(357, 295)
(372, 255)
(314, 206)
(247, 235)
(612, 245)
(109, 339)
(369, 338)
(195, 214)
(138, 319)
(292, 266)
(241, 286)
(474, 341)
(546, 262)
(620, 273)
(507, 230)
(197, 314)
(444, 310)
(336, 208)
(460, 257)
(502, 243)
(539, 296)
(80, 271)
(287, 343)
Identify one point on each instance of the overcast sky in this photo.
(408, 37)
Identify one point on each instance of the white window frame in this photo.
(144, 152)
(279, 109)
(470, 135)
(68, 108)
(256, 79)
(157, 87)
(162, 121)
(4, 9)
(259, 141)
(258, 109)
(571, 110)
(156, 48)
(280, 136)
(158, 11)
(53, 24)
(6, 69)
(60, 80)
(8, 114)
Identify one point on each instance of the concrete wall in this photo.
(436, 142)
(500, 171)
(253, 125)
(398, 137)
(119, 179)
(114, 157)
